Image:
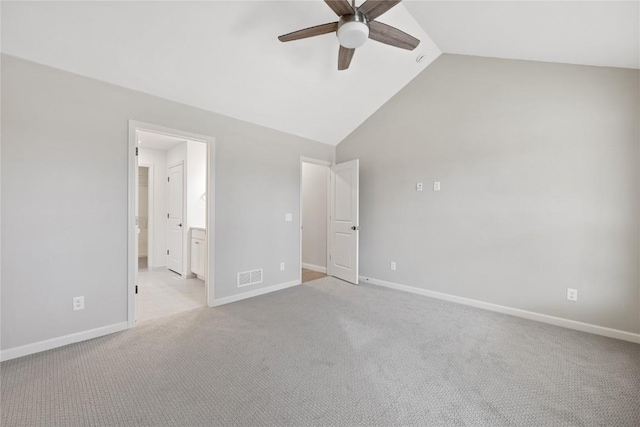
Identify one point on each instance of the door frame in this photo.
(185, 233)
(150, 202)
(132, 247)
(300, 213)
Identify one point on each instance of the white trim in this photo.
(314, 267)
(134, 127)
(530, 315)
(52, 343)
(328, 164)
(251, 294)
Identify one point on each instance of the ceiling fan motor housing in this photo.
(353, 30)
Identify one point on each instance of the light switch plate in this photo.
(288, 217)
(393, 265)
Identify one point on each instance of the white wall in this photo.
(157, 159)
(539, 166)
(314, 214)
(71, 134)
(196, 184)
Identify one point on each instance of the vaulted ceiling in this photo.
(224, 56)
(601, 33)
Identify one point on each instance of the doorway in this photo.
(172, 215)
(314, 217)
(329, 220)
(142, 215)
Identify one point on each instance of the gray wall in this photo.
(539, 165)
(64, 198)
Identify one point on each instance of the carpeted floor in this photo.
(329, 353)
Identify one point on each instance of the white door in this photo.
(175, 202)
(343, 221)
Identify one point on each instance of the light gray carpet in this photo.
(328, 353)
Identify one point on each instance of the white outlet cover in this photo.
(393, 265)
(419, 186)
(288, 217)
(78, 303)
(436, 186)
(282, 266)
(572, 294)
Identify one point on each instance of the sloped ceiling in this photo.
(222, 56)
(601, 33)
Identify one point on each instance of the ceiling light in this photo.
(353, 31)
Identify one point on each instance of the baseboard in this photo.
(314, 267)
(255, 293)
(37, 347)
(539, 317)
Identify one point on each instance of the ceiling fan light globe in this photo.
(353, 34)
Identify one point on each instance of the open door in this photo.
(175, 236)
(344, 221)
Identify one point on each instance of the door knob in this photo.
(179, 225)
(354, 228)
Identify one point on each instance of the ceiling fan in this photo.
(356, 25)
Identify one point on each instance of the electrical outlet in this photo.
(78, 303)
(419, 186)
(393, 265)
(436, 186)
(288, 217)
(572, 294)
(282, 266)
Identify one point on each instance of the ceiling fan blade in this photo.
(340, 7)
(387, 34)
(318, 30)
(375, 8)
(344, 57)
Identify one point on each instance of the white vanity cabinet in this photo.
(199, 252)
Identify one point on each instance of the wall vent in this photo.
(247, 278)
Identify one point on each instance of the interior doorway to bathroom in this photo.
(171, 224)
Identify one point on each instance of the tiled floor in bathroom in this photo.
(162, 292)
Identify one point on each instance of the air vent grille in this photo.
(247, 278)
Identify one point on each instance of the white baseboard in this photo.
(544, 318)
(37, 347)
(314, 267)
(255, 293)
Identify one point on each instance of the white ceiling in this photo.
(222, 57)
(602, 33)
(157, 141)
